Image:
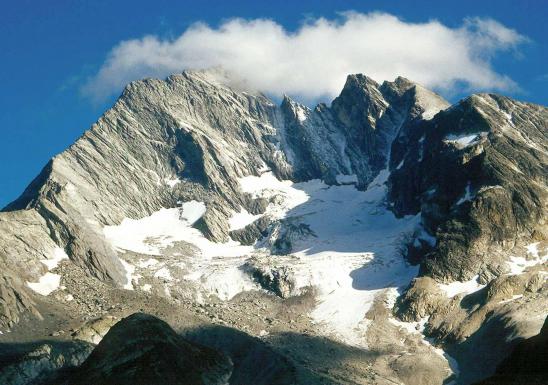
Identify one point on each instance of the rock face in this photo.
(142, 349)
(477, 174)
(471, 179)
(43, 362)
(526, 364)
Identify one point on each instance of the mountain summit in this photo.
(341, 236)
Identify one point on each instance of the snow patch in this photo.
(129, 270)
(453, 364)
(163, 273)
(47, 283)
(192, 211)
(467, 195)
(58, 255)
(508, 117)
(431, 102)
(301, 113)
(149, 235)
(146, 287)
(514, 297)
(171, 182)
(411, 327)
(463, 140)
(518, 265)
(215, 267)
(147, 263)
(422, 235)
(242, 219)
(467, 287)
(421, 148)
(533, 249)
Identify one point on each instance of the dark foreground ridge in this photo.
(142, 349)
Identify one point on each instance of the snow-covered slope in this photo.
(348, 254)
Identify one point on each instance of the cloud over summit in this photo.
(313, 61)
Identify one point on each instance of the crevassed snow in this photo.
(241, 219)
(467, 287)
(353, 256)
(47, 283)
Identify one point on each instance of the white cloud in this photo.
(313, 61)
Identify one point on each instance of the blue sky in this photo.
(50, 51)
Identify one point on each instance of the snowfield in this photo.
(349, 256)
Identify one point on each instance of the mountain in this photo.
(388, 237)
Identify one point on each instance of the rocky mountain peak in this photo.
(360, 102)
